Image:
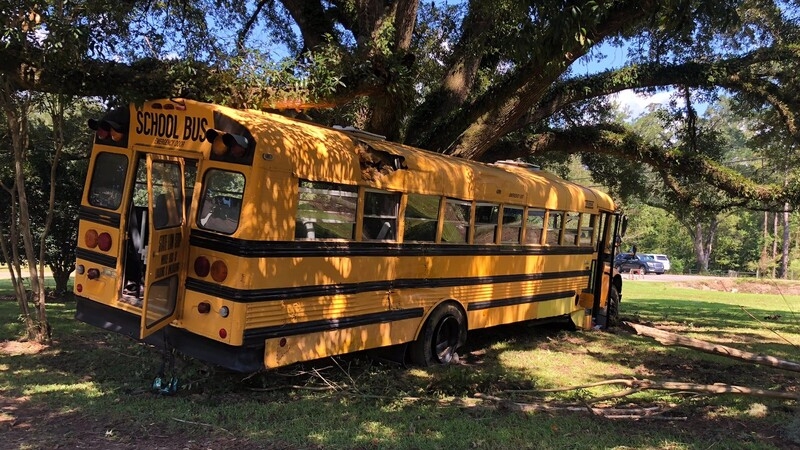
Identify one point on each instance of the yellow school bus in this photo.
(251, 240)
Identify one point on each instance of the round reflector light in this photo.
(104, 242)
(90, 238)
(202, 266)
(223, 333)
(79, 287)
(219, 271)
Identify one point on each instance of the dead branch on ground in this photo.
(667, 338)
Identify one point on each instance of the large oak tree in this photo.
(477, 79)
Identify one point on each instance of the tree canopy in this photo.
(478, 79)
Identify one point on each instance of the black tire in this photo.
(612, 308)
(643, 268)
(443, 333)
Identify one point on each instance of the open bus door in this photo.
(165, 192)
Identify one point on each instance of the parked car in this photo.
(662, 258)
(625, 262)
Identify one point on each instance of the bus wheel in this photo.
(612, 312)
(444, 332)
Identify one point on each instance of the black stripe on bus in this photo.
(289, 293)
(257, 335)
(519, 300)
(100, 216)
(263, 249)
(97, 258)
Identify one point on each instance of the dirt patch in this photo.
(13, 348)
(775, 287)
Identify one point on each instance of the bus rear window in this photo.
(108, 180)
(221, 204)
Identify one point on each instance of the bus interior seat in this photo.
(304, 230)
(386, 232)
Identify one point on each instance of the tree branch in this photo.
(614, 140)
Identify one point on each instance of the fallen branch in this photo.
(653, 412)
(639, 385)
(667, 338)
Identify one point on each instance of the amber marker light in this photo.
(219, 271)
(218, 146)
(90, 238)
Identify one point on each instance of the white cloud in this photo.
(636, 104)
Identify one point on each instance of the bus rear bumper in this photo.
(239, 359)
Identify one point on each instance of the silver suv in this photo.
(662, 258)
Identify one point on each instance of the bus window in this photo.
(457, 215)
(326, 211)
(108, 180)
(571, 226)
(512, 225)
(421, 218)
(554, 225)
(534, 226)
(486, 217)
(222, 201)
(587, 229)
(380, 216)
(167, 195)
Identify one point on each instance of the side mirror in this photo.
(624, 226)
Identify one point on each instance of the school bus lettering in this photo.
(157, 124)
(194, 128)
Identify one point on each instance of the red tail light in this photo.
(202, 266)
(203, 307)
(93, 274)
(104, 242)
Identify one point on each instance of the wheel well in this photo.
(448, 301)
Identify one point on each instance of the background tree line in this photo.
(478, 79)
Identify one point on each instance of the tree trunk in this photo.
(16, 107)
(783, 270)
(701, 255)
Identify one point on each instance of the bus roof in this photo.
(321, 153)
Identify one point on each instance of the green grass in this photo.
(93, 386)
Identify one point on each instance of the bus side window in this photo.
(457, 215)
(486, 221)
(588, 236)
(534, 226)
(380, 216)
(571, 226)
(554, 227)
(221, 204)
(325, 211)
(421, 218)
(512, 225)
